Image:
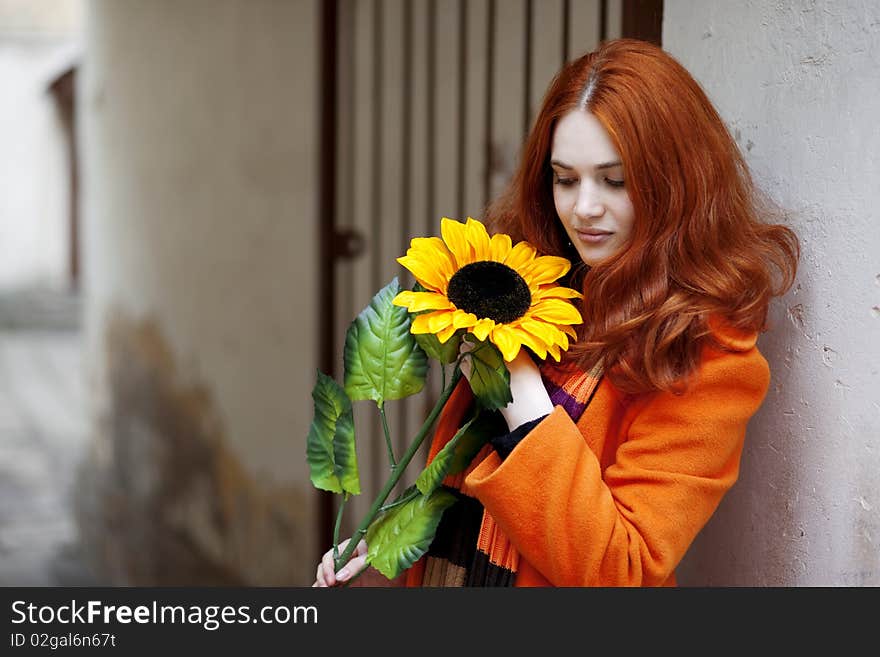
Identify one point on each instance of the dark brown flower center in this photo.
(491, 290)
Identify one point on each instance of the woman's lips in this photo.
(593, 236)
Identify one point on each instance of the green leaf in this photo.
(410, 493)
(330, 447)
(485, 426)
(399, 537)
(381, 358)
(490, 380)
(445, 352)
(458, 453)
(432, 476)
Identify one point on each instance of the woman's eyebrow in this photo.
(603, 165)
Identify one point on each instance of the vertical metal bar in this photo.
(490, 100)
(643, 19)
(406, 179)
(603, 20)
(527, 69)
(406, 145)
(566, 20)
(431, 222)
(462, 107)
(348, 179)
(376, 145)
(430, 123)
(377, 441)
(346, 287)
(327, 219)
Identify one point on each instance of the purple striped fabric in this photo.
(569, 386)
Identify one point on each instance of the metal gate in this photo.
(425, 104)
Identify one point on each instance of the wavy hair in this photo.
(703, 242)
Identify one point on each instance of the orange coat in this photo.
(617, 499)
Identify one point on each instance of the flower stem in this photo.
(336, 527)
(409, 498)
(387, 434)
(397, 471)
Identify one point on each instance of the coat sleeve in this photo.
(631, 525)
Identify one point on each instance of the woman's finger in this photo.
(351, 568)
(355, 564)
(327, 575)
(319, 577)
(327, 568)
(466, 365)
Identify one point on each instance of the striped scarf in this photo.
(469, 548)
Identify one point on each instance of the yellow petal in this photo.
(455, 235)
(429, 245)
(556, 292)
(548, 333)
(483, 328)
(551, 333)
(428, 322)
(425, 272)
(520, 255)
(507, 341)
(478, 239)
(545, 269)
(419, 301)
(499, 247)
(532, 341)
(462, 319)
(554, 351)
(446, 333)
(556, 311)
(433, 250)
(439, 320)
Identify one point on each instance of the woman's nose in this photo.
(588, 203)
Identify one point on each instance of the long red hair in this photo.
(701, 244)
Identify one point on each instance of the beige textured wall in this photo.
(798, 84)
(199, 140)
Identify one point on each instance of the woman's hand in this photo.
(530, 398)
(326, 576)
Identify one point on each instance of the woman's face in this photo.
(588, 187)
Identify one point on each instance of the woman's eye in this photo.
(614, 183)
(565, 182)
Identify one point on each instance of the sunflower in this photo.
(489, 287)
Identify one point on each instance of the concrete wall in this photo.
(199, 128)
(799, 85)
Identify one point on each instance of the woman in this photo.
(616, 458)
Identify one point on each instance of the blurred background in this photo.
(198, 196)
